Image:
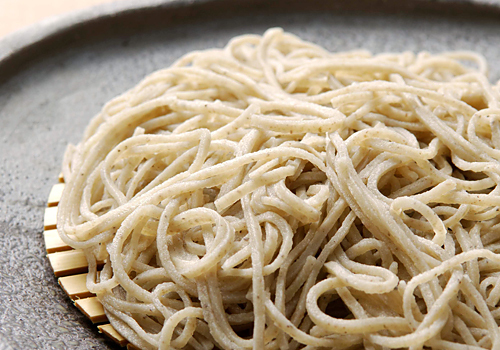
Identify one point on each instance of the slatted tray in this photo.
(70, 267)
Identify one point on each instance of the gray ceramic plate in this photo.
(55, 76)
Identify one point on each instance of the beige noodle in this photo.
(274, 195)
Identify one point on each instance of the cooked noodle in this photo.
(275, 195)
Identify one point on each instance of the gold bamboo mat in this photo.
(70, 267)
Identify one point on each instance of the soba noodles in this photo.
(274, 195)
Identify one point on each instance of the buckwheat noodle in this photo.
(274, 195)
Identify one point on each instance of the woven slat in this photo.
(50, 218)
(75, 286)
(92, 308)
(55, 195)
(54, 243)
(109, 331)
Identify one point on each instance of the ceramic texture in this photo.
(47, 101)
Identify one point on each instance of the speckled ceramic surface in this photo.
(47, 103)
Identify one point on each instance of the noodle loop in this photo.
(274, 195)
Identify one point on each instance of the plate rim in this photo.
(25, 45)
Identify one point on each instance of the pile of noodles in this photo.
(274, 195)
